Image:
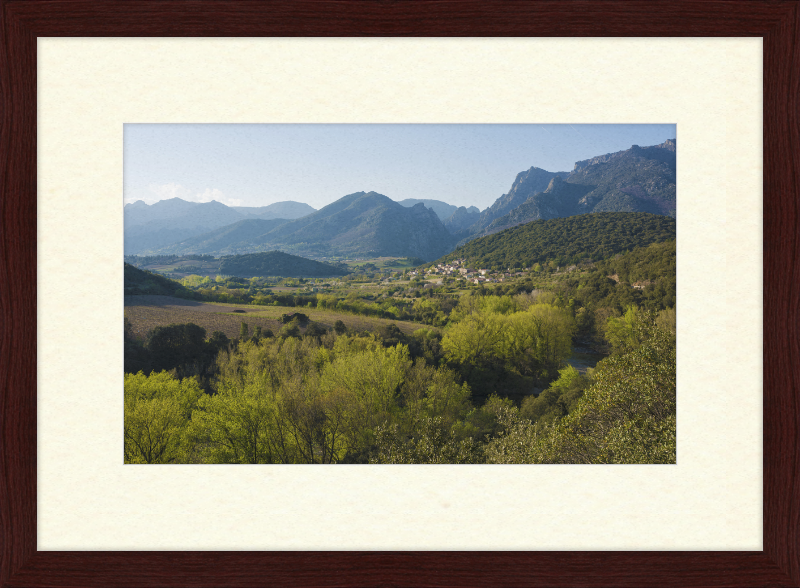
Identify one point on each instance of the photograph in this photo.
(399, 293)
(369, 236)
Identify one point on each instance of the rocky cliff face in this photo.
(656, 152)
(639, 179)
(525, 185)
(561, 198)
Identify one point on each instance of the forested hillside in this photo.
(277, 263)
(565, 240)
(144, 282)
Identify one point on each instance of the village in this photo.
(458, 268)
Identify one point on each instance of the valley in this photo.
(539, 330)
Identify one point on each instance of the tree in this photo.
(369, 380)
(622, 333)
(626, 416)
(558, 400)
(176, 346)
(340, 327)
(315, 329)
(157, 412)
(432, 443)
(237, 424)
(290, 330)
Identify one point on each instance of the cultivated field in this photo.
(147, 312)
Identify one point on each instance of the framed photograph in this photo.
(75, 73)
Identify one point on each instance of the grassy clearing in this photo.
(163, 310)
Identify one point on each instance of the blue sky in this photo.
(258, 164)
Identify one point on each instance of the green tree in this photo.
(157, 412)
(177, 346)
(431, 443)
(626, 416)
(369, 382)
(622, 333)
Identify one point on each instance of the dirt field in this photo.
(147, 312)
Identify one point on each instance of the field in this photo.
(147, 312)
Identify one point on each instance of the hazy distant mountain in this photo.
(152, 227)
(525, 185)
(277, 263)
(287, 209)
(442, 209)
(156, 225)
(639, 179)
(363, 225)
(461, 220)
(221, 241)
(357, 225)
(139, 213)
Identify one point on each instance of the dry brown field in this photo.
(146, 312)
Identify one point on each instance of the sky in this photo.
(258, 164)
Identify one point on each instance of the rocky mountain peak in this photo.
(669, 145)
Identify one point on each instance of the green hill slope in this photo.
(277, 263)
(566, 240)
(144, 282)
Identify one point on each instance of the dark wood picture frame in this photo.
(777, 22)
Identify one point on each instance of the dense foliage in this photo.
(487, 382)
(627, 415)
(351, 399)
(566, 240)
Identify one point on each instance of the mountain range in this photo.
(151, 227)
(363, 224)
(639, 179)
(368, 224)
